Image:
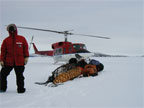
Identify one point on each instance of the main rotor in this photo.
(65, 33)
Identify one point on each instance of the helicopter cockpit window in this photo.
(79, 47)
(84, 47)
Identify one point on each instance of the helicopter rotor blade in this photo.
(91, 36)
(41, 29)
(62, 32)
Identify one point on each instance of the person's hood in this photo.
(13, 25)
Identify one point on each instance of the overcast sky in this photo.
(121, 20)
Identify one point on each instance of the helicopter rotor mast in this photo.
(65, 33)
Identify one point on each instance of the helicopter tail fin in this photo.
(35, 48)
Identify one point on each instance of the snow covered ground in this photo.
(120, 85)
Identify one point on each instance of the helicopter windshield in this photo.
(79, 47)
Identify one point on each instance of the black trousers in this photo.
(5, 71)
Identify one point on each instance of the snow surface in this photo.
(119, 85)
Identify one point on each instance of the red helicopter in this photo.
(64, 50)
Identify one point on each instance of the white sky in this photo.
(121, 20)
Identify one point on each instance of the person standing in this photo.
(14, 55)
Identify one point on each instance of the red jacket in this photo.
(13, 50)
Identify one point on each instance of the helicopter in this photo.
(64, 50)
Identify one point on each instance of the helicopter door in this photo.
(67, 49)
(64, 50)
(70, 49)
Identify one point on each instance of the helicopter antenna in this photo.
(65, 33)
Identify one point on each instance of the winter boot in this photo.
(21, 90)
(2, 90)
